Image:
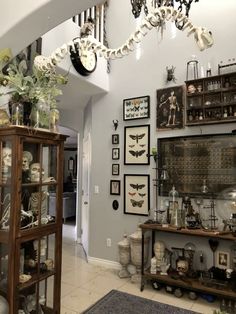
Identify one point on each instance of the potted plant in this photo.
(37, 91)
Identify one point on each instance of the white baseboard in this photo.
(104, 262)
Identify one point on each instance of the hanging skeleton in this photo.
(5, 218)
(202, 36)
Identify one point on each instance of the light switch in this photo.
(96, 189)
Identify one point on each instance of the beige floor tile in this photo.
(78, 278)
(134, 288)
(68, 311)
(80, 300)
(204, 307)
(66, 289)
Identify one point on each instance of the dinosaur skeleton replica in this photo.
(202, 36)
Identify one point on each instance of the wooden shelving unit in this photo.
(171, 279)
(211, 100)
(30, 240)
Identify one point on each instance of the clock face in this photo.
(84, 61)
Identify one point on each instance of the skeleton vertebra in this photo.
(202, 36)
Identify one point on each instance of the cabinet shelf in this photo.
(190, 284)
(35, 279)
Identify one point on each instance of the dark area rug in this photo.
(116, 302)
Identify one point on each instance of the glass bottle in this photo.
(40, 115)
(17, 113)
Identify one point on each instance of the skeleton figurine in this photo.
(26, 160)
(35, 172)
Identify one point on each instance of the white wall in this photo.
(131, 77)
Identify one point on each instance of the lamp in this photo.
(156, 18)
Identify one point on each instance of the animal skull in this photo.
(35, 171)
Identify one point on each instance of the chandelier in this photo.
(156, 18)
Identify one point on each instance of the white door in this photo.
(85, 194)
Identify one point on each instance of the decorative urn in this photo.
(124, 256)
(136, 253)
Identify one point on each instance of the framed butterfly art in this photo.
(136, 194)
(136, 108)
(137, 145)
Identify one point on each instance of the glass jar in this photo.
(17, 113)
(54, 120)
(40, 115)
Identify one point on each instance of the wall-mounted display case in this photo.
(30, 238)
(199, 165)
(211, 100)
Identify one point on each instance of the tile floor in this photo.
(83, 284)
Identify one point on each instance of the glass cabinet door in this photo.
(35, 289)
(39, 182)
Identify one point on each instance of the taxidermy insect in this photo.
(170, 74)
(137, 203)
(137, 153)
(142, 194)
(137, 186)
(137, 137)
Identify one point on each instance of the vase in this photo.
(17, 113)
(124, 255)
(136, 253)
(40, 115)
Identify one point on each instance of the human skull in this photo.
(35, 171)
(26, 160)
(49, 263)
(6, 156)
(182, 266)
(159, 250)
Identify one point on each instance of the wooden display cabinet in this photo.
(190, 283)
(211, 100)
(30, 239)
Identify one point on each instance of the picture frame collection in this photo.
(136, 187)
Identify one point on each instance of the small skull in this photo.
(26, 160)
(6, 156)
(35, 171)
(182, 267)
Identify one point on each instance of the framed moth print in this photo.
(136, 194)
(115, 153)
(170, 108)
(137, 145)
(115, 187)
(115, 169)
(136, 108)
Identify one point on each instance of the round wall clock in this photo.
(83, 60)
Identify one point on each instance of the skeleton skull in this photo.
(26, 160)
(6, 156)
(182, 266)
(35, 171)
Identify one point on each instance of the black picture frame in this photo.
(115, 187)
(137, 145)
(115, 153)
(115, 139)
(137, 194)
(170, 108)
(136, 108)
(115, 169)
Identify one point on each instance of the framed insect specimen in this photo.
(136, 194)
(115, 187)
(115, 153)
(136, 108)
(137, 145)
(115, 138)
(115, 169)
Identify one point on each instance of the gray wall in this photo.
(132, 77)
